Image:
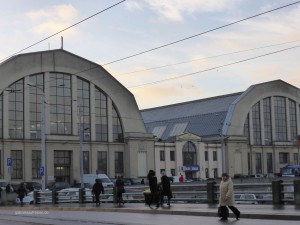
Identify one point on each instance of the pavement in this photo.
(271, 212)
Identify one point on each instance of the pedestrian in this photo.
(181, 178)
(165, 189)
(153, 188)
(143, 181)
(8, 188)
(22, 192)
(120, 190)
(97, 190)
(227, 198)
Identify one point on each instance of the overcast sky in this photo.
(204, 66)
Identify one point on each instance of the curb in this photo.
(290, 217)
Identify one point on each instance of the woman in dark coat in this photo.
(153, 188)
(22, 192)
(97, 190)
(165, 189)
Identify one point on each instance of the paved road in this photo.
(33, 217)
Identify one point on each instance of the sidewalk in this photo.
(281, 212)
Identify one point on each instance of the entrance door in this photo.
(62, 166)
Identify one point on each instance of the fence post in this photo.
(297, 192)
(277, 194)
(114, 194)
(81, 195)
(211, 192)
(36, 197)
(54, 196)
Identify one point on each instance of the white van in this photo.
(90, 178)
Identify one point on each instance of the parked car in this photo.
(131, 181)
(57, 186)
(245, 199)
(85, 185)
(3, 183)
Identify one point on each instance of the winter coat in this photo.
(226, 193)
(21, 192)
(98, 188)
(166, 187)
(153, 184)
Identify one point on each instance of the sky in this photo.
(208, 62)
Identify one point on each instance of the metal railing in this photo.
(275, 192)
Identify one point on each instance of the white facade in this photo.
(114, 132)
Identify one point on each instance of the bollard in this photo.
(211, 192)
(36, 197)
(114, 194)
(297, 192)
(81, 195)
(277, 193)
(54, 196)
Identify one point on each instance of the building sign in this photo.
(191, 168)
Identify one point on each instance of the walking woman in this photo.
(227, 198)
(153, 188)
(97, 190)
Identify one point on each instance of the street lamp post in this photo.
(81, 148)
(43, 137)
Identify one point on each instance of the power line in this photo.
(75, 24)
(196, 35)
(204, 58)
(213, 68)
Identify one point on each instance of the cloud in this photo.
(175, 10)
(53, 19)
(133, 5)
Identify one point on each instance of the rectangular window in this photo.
(102, 162)
(60, 103)
(296, 159)
(119, 165)
(256, 124)
(283, 158)
(215, 155)
(215, 172)
(258, 165)
(206, 173)
(101, 115)
(267, 121)
(162, 171)
(206, 155)
(280, 119)
(36, 164)
(293, 120)
(86, 164)
(269, 163)
(17, 164)
(16, 110)
(36, 91)
(117, 127)
(172, 155)
(162, 155)
(83, 107)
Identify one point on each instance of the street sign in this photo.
(42, 171)
(9, 161)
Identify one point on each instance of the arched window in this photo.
(117, 126)
(83, 105)
(101, 115)
(189, 153)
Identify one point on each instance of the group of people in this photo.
(162, 189)
(159, 190)
(21, 191)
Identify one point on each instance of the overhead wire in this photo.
(73, 25)
(205, 32)
(213, 68)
